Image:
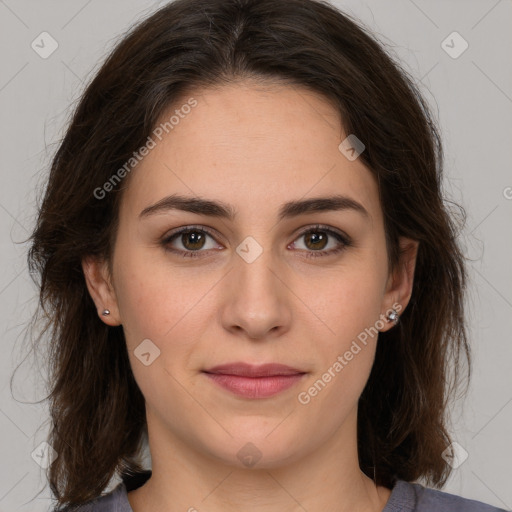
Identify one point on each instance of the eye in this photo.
(189, 242)
(317, 238)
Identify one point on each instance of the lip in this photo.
(254, 381)
(254, 370)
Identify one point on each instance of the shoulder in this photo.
(433, 499)
(414, 497)
(117, 499)
(113, 501)
(109, 502)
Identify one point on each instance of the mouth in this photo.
(254, 381)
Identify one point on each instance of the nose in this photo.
(257, 301)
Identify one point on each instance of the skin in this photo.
(254, 146)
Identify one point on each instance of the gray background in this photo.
(472, 96)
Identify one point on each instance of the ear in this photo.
(400, 282)
(99, 284)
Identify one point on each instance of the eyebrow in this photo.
(222, 210)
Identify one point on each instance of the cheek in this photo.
(141, 300)
(349, 311)
(151, 295)
(157, 302)
(352, 301)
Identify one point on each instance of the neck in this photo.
(326, 478)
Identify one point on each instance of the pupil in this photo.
(315, 238)
(195, 238)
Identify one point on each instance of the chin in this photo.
(260, 450)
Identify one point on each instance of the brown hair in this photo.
(97, 410)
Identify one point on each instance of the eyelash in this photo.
(343, 239)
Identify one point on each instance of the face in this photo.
(255, 279)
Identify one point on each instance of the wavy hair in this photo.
(97, 410)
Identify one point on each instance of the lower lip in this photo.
(255, 387)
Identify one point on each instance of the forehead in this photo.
(251, 145)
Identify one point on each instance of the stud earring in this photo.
(393, 316)
(105, 312)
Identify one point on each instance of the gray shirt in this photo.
(405, 497)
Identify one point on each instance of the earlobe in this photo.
(101, 290)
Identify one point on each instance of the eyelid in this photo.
(324, 227)
(191, 227)
(342, 238)
(213, 233)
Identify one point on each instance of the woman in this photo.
(246, 257)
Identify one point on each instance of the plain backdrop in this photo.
(472, 98)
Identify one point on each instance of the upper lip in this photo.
(251, 370)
